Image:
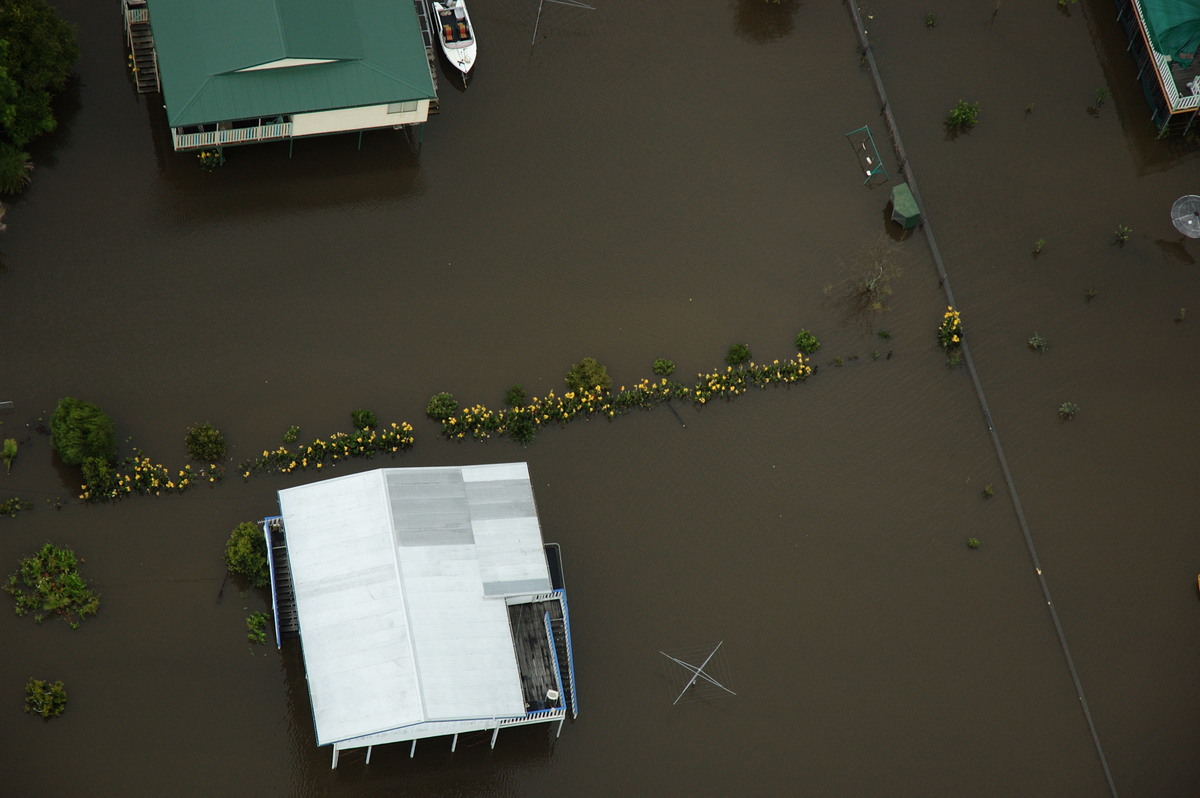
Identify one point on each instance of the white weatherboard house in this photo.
(242, 71)
(424, 602)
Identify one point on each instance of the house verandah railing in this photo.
(228, 134)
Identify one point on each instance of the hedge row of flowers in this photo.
(522, 423)
(339, 446)
(138, 475)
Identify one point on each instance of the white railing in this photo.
(239, 135)
(136, 15)
(541, 716)
(1162, 64)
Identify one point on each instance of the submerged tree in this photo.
(37, 52)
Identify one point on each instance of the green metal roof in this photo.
(375, 48)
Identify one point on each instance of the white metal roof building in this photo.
(424, 603)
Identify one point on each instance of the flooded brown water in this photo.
(648, 181)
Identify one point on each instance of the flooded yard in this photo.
(648, 182)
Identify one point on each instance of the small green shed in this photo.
(904, 207)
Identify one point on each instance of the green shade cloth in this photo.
(904, 207)
(1173, 27)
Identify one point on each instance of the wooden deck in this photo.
(534, 654)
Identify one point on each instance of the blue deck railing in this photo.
(266, 527)
(562, 598)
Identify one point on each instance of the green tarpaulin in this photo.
(1173, 27)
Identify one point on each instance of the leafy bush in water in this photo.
(963, 115)
(663, 367)
(256, 623)
(515, 397)
(588, 374)
(806, 342)
(15, 169)
(47, 699)
(79, 430)
(738, 354)
(441, 406)
(364, 419)
(246, 554)
(205, 443)
(49, 581)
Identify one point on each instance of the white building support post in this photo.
(335, 753)
(560, 723)
(454, 743)
(412, 751)
(495, 734)
(369, 747)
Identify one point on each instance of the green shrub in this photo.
(15, 169)
(441, 407)
(664, 368)
(100, 477)
(515, 396)
(522, 428)
(587, 375)
(1121, 234)
(293, 432)
(1037, 342)
(205, 443)
(988, 491)
(256, 623)
(9, 453)
(11, 507)
(972, 543)
(49, 581)
(47, 699)
(246, 554)
(1067, 410)
(364, 419)
(79, 430)
(737, 355)
(806, 342)
(963, 115)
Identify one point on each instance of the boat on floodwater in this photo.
(449, 18)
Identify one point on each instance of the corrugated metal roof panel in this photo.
(402, 619)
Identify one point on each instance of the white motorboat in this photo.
(452, 26)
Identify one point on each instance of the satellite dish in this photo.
(1185, 215)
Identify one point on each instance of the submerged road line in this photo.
(944, 281)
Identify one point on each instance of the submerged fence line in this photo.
(944, 282)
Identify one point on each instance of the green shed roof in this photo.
(373, 50)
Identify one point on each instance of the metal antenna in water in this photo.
(700, 676)
(571, 3)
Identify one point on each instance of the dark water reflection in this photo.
(759, 21)
(610, 193)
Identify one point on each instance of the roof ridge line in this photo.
(372, 66)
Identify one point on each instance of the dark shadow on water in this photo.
(763, 20)
(66, 106)
(892, 228)
(1175, 251)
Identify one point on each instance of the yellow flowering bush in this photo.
(521, 423)
(950, 331)
(367, 443)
